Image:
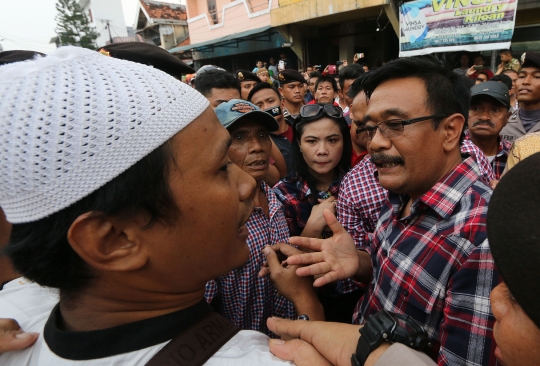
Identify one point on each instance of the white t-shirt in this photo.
(31, 305)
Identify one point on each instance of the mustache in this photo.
(488, 122)
(386, 159)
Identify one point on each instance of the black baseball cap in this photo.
(494, 89)
(514, 233)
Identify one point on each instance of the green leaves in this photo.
(73, 26)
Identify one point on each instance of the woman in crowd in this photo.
(321, 152)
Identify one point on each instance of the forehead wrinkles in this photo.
(408, 96)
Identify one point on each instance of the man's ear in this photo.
(281, 91)
(107, 243)
(452, 126)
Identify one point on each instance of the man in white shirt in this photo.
(117, 182)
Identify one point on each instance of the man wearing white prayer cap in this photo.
(116, 179)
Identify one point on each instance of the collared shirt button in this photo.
(405, 293)
(384, 252)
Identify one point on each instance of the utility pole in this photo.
(109, 29)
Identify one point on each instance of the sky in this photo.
(30, 24)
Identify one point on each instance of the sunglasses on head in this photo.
(311, 112)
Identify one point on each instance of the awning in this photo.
(225, 41)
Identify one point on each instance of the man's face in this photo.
(516, 335)
(259, 64)
(282, 56)
(402, 165)
(267, 98)
(309, 69)
(528, 86)
(218, 96)
(358, 111)
(514, 76)
(464, 60)
(366, 68)
(346, 86)
(245, 88)
(312, 83)
(272, 61)
(250, 148)
(481, 78)
(479, 61)
(293, 92)
(487, 117)
(214, 198)
(325, 93)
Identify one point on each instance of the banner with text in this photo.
(428, 26)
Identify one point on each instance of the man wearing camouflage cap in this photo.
(526, 119)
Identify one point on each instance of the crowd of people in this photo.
(362, 217)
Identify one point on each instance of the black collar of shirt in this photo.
(121, 339)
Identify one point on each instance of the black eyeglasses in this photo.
(312, 112)
(394, 127)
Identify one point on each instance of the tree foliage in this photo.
(73, 26)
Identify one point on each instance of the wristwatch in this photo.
(394, 328)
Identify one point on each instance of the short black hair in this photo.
(261, 86)
(299, 163)
(483, 73)
(479, 55)
(40, 250)
(505, 79)
(349, 72)
(315, 74)
(329, 79)
(219, 79)
(446, 91)
(506, 51)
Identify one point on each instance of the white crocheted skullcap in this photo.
(72, 121)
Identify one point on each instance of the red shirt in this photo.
(288, 134)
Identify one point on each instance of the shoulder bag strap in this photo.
(196, 345)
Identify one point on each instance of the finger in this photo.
(265, 271)
(287, 249)
(287, 328)
(9, 324)
(298, 351)
(309, 243)
(272, 259)
(15, 340)
(307, 258)
(333, 223)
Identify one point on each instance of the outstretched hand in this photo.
(335, 258)
(13, 338)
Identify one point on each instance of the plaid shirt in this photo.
(296, 197)
(242, 296)
(499, 162)
(435, 266)
(362, 196)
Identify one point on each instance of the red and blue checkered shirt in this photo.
(297, 200)
(361, 195)
(499, 161)
(242, 296)
(435, 266)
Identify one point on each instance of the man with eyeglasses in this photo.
(488, 114)
(428, 256)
